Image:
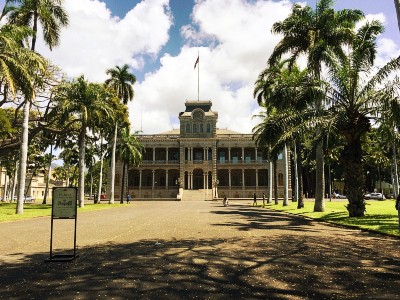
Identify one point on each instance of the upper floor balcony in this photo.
(160, 162)
(237, 161)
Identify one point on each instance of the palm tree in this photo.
(87, 102)
(356, 98)
(317, 34)
(51, 16)
(280, 90)
(129, 153)
(49, 13)
(120, 81)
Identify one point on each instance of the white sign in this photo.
(64, 203)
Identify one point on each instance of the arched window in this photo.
(280, 179)
(187, 128)
(201, 128)
(194, 128)
(208, 128)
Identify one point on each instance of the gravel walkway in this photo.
(197, 250)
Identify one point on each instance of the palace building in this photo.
(200, 161)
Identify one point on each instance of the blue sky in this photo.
(160, 39)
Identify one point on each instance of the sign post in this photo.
(64, 207)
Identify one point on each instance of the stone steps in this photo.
(197, 195)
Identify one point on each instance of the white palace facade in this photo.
(199, 161)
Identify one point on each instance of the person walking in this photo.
(128, 198)
(225, 201)
(255, 199)
(263, 198)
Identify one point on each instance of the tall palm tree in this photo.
(87, 103)
(280, 90)
(129, 153)
(120, 81)
(315, 33)
(356, 98)
(51, 15)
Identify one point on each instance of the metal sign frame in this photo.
(64, 206)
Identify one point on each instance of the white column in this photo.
(206, 183)
(140, 178)
(256, 154)
(229, 154)
(204, 180)
(243, 178)
(191, 153)
(230, 178)
(153, 183)
(256, 179)
(166, 179)
(154, 154)
(242, 154)
(166, 154)
(270, 179)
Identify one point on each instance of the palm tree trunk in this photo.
(354, 177)
(397, 5)
(122, 184)
(395, 171)
(67, 180)
(296, 175)
(285, 176)
(34, 30)
(22, 159)
(14, 181)
(319, 205)
(48, 176)
(101, 171)
(81, 177)
(5, 185)
(300, 203)
(270, 179)
(113, 165)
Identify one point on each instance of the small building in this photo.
(199, 161)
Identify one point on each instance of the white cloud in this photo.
(95, 40)
(228, 70)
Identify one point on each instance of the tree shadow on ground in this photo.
(265, 219)
(278, 267)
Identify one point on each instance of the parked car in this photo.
(376, 196)
(27, 199)
(338, 196)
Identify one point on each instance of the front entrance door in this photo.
(198, 180)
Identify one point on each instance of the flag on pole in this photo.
(197, 61)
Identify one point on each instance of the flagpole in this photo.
(198, 77)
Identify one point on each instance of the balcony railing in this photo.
(160, 162)
(241, 162)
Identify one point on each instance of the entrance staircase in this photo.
(197, 195)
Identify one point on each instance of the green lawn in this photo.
(7, 210)
(381, 216)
